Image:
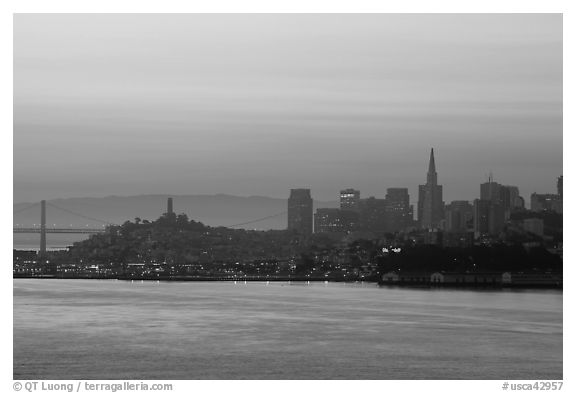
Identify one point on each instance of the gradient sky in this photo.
(257, 104)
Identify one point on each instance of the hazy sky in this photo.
(258, 104)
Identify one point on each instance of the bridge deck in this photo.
(59, 230)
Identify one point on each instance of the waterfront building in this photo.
(300, 209)
(430, 203)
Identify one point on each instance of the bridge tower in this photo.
(42, 228)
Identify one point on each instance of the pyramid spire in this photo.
(432, 165)
(432, 176)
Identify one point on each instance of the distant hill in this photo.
(212, 210)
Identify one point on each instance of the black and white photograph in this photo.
(287, 196)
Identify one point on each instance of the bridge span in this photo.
(43, 230)
(59, 230)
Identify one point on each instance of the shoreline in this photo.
(312, 279)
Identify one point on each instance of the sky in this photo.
(257, 104)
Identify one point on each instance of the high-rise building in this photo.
(500, 198)
(559, 186)
(331, 220)
(430, 203)
(481, 216)
(349, 199)
(506, 196)
(399, 213)
(491, 191)
(373, 215)
(459, 216)
(493, 208)
(516, 202)
(488, 217)
(300, 208)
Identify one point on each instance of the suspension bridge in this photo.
(43, 229)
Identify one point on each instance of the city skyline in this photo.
(413, 199)
(171, 104)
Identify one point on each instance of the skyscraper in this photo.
(330, 220)
(508, 197)
(349, 199)
(492, 209)
(516, 201)
(373, 215)
(399, 213)
(300, 211)
(559, 186)
(488, 217)
(482, 216)
(491, 191)
(458, 216)
(430, 203)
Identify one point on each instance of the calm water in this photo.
(88, 329)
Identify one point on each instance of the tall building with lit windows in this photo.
(330, 220)
(350, 199)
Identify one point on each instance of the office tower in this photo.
(488, 217)
(399, 213)
(300, 211)
(546, 202)
(499, 197)
(491, 191)
(331, 220)
(349, 199)
(373, 215)
(481, 216)
(559, 186)
(507, 196)
(506, 201)
(459, 216)
(430, 204)
(516, 202)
